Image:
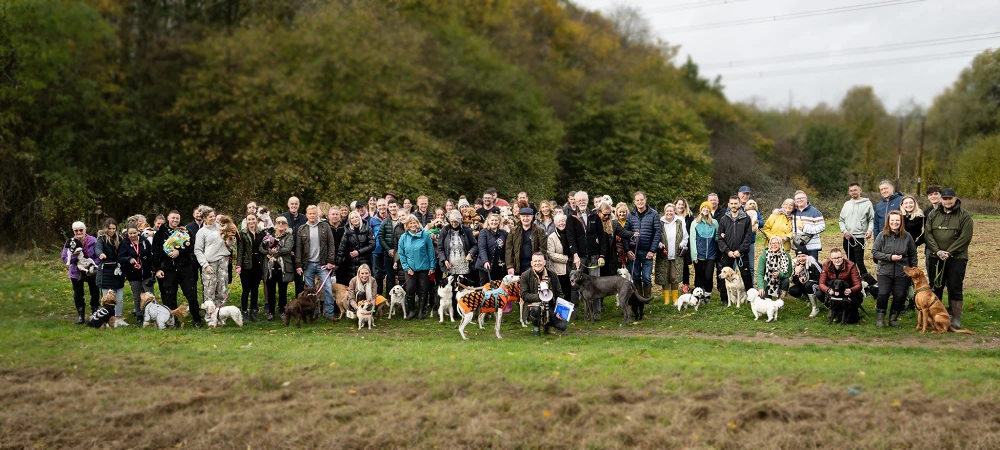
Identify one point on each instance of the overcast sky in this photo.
(714, 48)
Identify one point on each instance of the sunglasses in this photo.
(78, 231)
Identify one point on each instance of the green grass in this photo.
(656, 354)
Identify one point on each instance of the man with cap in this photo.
(744, 195)
(522, 242)
(805, 279)
(948, 234)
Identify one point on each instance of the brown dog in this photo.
(930, 310)
(340, 296)
(302, 307)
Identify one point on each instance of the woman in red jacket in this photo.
(839, 268)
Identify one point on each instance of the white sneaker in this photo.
(121, 323)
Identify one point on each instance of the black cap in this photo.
(948, 193)
(800, 252)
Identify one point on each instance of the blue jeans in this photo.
(310, 273)
(642, 270)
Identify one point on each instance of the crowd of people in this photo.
(375, 244)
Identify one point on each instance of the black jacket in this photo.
(424, 218)
(491, 247)
(126, 253)
(586, 240)
(737, 232)
(915, 228)
(162, 261)
(469, 242)
(248, 252)
(361, 239)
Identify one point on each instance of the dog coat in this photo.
(489, 300)
(100, 317)
(158, 313)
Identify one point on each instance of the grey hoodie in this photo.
(856, 217)
(209, 246)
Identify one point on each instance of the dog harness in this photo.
(923, 289)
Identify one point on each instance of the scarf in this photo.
(777, 261)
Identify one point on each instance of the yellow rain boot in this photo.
(667, 295)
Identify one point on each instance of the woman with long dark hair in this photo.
(109, 273)
(250, 265)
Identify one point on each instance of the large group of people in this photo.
(376, 244)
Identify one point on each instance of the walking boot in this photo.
(253, 315)
(956, 314)
(411, 308)
(80, 312)
(894, 319)
(879, 318)
(423, 307)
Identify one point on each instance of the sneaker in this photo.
(270, 317)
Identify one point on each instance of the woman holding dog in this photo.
(279, 270)
(109, 274)
(250, 265)
(361, 287)
(81, 245)
(774, 267)
(134, 257)
(212, 253)
(893, 249)
(779, 224)
(704, 250)
(416, 257)
(492, 248)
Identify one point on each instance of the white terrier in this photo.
(694, 298)
(763, 306)
(216, 317)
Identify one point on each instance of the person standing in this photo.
(544, 219)
(250, 265)
(857, 217)
(704, 250)
(378, 253)
(948, 234)
(933, 193)
(733, 240)
(779, 224)
(133, 257)
(295, 222)
(423, 213)
(213, 256)
(335, 220)
(314, 257)
(81, 245)
(807, 224)
(174, 267)
(356, 247)
(683, 212)
(416, 257)
(523, 240)
(669, 259)
(492, 250)
(109, 273)
(278, 268)
(893, 249)
(557, 249)
(890, 202)
(457, 250)
(570, 207)
(913, 219)
(488, 207)
(386, 238)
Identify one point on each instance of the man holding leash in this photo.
(314, 256)
(295, 221)
(948, 234)
(645, 224)
(733, 239)
(586, 242)
(175, 268)
(856, 222)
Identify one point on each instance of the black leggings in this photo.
(250, 280)
(686, 277)
(704, 272)
(896, 286)
(78, 293)
(282, 297)
(418, 284)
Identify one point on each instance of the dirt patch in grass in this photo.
(51, 409)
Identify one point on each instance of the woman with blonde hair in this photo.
(492, 247)
(683, 212)
(913, 219)
(621, 212)
(703, 248)
(669, 261)
(779, 224)
(544, 217)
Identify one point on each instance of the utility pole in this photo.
(920, 156)
(899, 152)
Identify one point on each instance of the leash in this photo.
(939, 275)
(853, 242)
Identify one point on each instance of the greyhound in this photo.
(594, 289)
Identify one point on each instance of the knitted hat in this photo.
(703, 205)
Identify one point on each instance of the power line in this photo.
(821, 12)
(851, 51)
(855, 65)
(692, 5)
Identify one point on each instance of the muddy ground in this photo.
(50, 409)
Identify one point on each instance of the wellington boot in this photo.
(80, 312)
(894, 319)
(879, 318)
(956, 314)
(411, 307)
(424, 306)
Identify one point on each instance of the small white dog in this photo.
(447, 302)
(397, 296)
(734, 286)
(366, 314)
(694, 298)
(216, 317)
(763, 306)
(623, 272)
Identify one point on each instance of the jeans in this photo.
(954, 276)
(642, 270)
(91, 283)
(855, 251)
(309, 274)
(378, 267)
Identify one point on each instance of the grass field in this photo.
(711, 379)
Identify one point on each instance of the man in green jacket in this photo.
(948, 234)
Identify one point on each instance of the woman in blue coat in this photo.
(417, 258)
(704, 251)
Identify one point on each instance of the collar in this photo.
(923, 289)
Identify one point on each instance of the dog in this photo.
(397, 296)
(930, 310)
(303, 307)
(762, 306)
(488, 300)
(624, 273)
(102, 318)
(695, 298)
(228, 230)
(734, 286)
(86, 266)
(343, 303)
(837, 302)
(447, 302)
(366, 313)
(593, 289)
(216, 316)
(155, 314)
(869, 285)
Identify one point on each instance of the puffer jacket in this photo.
(735, 234)
(703, 245)
(647, 225)
(949, 231)
(890, 244)
(882, 210)
(126, 253)
(556, 252)
(491, 247)
(361, 239)
(416, 251)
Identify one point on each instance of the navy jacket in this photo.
(126, 253)
(647, 225)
